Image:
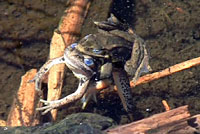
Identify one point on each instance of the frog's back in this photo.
(109, 41)
(118, 49)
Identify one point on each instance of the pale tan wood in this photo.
(168, 71)
(72, 20)
(70, 26)
(153, 122)
(186, 126)
(166, 106)
(56, 73)
(2, 123)
(23, 111)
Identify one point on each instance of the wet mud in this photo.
(171, 30)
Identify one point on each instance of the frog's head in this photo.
(81, 65)
(111, 37)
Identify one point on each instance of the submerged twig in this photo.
(22, 111)
(168, 71)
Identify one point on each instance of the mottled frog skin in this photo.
(114, 53)
(115, 44)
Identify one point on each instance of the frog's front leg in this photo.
(78, 94)
(43, 70)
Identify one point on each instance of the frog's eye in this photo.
(89, 61)
(73, 45)
(97, 51)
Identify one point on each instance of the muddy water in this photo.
(171, 30)
(25, 31)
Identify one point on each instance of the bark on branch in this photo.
(176, 121)
(70, 26)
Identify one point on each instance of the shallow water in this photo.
(170, 28)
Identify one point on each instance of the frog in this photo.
(114, 52)
(127, 53)
(118, 44)
(81, 70)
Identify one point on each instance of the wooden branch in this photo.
(72, 20)
(23, 111)
(153, 122)
(186, 126)
(56, 73)
(154, 76)
(70, 26)
(168, 71)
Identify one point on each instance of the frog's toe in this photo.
(86, 98)
(45, 108)
(146, 68)
(45, 101)
(49, 105)
(85, 102)
(37, 85)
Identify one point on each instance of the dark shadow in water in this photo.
(124, 10)
(24, 58)
(22, 4)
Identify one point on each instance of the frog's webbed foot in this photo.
(43, 70)
(78, 94)
(49, 105)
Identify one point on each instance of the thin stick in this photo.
(154, 76)
(168, 71)
(165, 104)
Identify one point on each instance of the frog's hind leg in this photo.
(78, 94)
(44, 69)
(124, 90)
